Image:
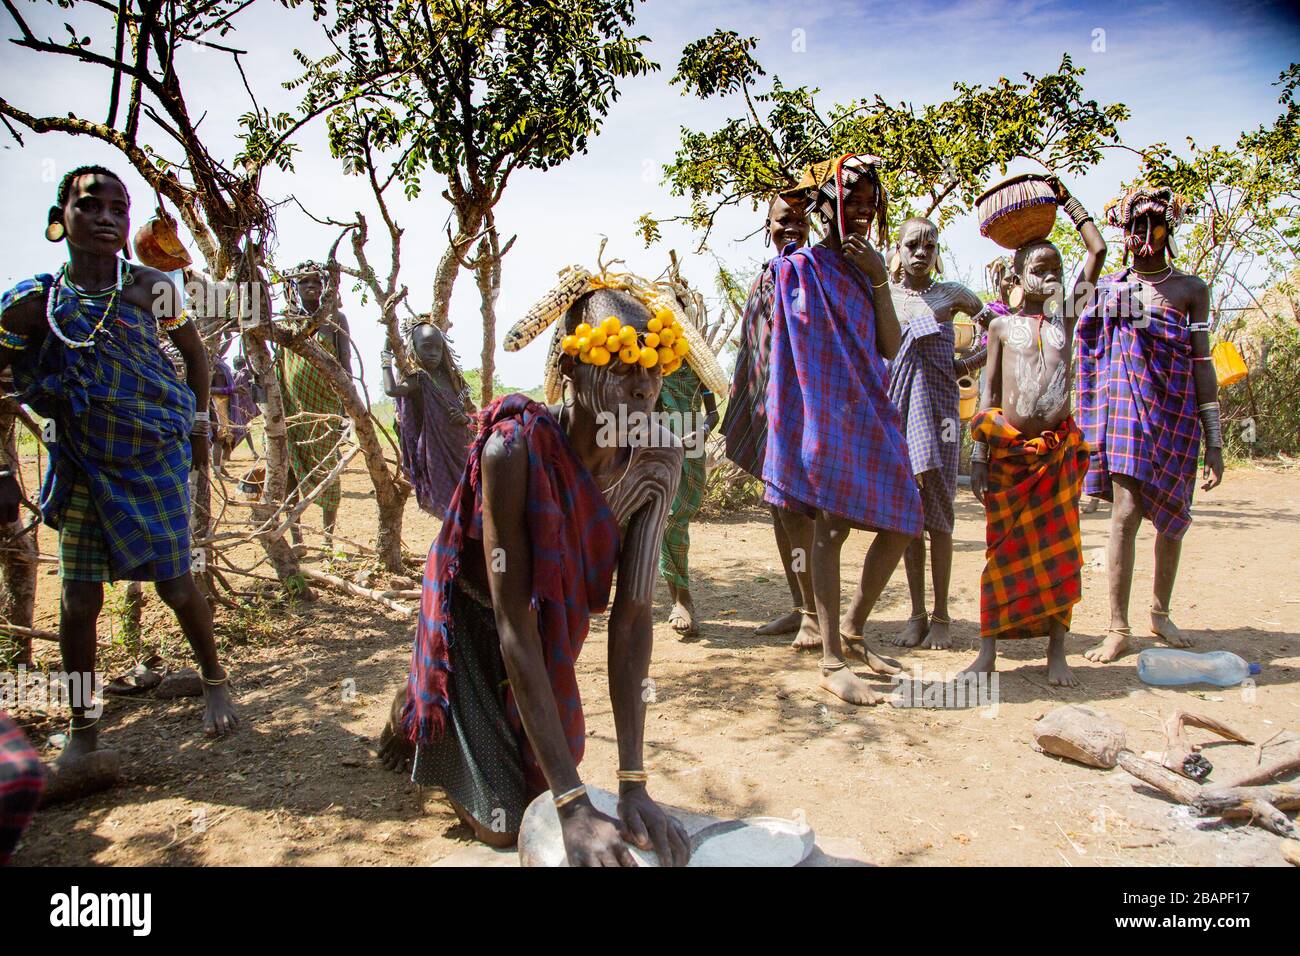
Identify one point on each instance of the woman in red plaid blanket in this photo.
(550, 504)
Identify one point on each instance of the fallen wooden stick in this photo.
(345, 585)
(1166, 781)
(1263, 805)
(1265, 774)
(1183, 756)
(17, 630)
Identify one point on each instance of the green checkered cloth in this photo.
(312, 442)
(683, 393)
(84, 550)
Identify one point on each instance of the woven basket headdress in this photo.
(824, 185)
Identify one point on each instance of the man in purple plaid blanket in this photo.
(835, 445)
(1145, 378)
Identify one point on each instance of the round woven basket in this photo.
(1018, 210)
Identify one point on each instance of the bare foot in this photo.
(986, 661)
(1090, 506)
(219, 718)
(913, 631)
(1167, 631)
(787, 623)
(395, 751)
(810, 634)
(881, 665)
(682, 617)
(1117, 643)
(1059, 673)
(938, 638)
(849, 687)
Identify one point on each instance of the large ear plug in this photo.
(54, 232)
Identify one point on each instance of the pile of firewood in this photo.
(1088, 736)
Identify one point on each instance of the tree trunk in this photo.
(257, 332)
(488, 277)
(468, 223)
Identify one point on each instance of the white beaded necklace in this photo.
(918, 293)
(51, 299)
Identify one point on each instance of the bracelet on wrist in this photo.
(1211, 424)
(566, 798)
(1074, 209)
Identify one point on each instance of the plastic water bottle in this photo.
(1168, 667)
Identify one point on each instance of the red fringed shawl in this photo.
(575, 544)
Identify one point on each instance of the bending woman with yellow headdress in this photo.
(546, 510)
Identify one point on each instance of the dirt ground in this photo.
(738, 726)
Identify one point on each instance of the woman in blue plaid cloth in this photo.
(84, 347)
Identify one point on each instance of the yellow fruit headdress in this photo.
(670, 338)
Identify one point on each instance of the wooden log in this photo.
(1236, 801)
(1166, 781)
(1272, 819)
(16, 630)
(1262, 805)
(96, 771)
(1291, 851)
(345, 585)
(1083, 734)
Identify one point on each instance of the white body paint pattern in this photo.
(1033, 399)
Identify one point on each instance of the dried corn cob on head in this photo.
(604, 357)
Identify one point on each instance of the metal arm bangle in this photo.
(569, 796)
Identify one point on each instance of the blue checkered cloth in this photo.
(923, 387)
(1137, 402)
(835, 440)
(122, 421)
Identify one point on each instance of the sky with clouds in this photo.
(1183, 67)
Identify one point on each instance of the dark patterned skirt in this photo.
(477, 761)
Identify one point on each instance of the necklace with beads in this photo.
(1142, 275)
(62, 280)
(917, 293)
